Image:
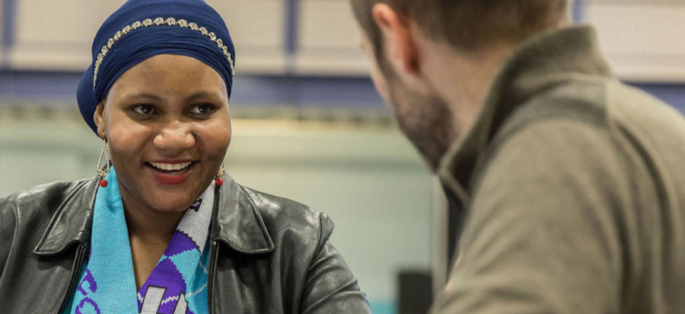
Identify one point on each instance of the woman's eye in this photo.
(203, 109)
(144, 109)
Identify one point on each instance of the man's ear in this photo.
(99, 118)
(400, 45)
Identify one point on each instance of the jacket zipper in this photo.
(75, 275)
(214, 253)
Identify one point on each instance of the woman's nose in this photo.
(174, 138)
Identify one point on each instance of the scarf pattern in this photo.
(177, 284)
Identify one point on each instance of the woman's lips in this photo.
(171, 166)
(171, 173)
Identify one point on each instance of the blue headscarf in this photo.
(141, 29)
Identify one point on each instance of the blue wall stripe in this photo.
(7, 20)
(60, 87)
(672, 94)
(353, 92)
(578, 10)
(292, 13)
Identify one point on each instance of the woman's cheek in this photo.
(127, 142)
(219, 145)
(218, 134)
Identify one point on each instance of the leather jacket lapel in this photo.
(236, 221)
(71, 223)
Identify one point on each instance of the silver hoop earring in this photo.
(103, 170)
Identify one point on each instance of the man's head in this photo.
(434, 59)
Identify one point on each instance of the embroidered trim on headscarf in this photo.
(160, 21)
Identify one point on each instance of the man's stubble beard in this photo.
(426, 120)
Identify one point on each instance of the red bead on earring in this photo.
(103, 183)
(220, 176)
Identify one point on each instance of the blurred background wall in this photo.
(308, 124)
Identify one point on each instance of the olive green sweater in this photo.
(574, 190)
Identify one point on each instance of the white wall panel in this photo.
(643, 40)
(57, 35)
(258, 31)
(328, 39)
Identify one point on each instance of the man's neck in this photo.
(464, 80)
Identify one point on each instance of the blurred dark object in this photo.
(415, 291)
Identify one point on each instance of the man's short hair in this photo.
(468, 25)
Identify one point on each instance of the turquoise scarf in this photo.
(177, 285)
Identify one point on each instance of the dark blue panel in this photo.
(305, 91)
(60, 87)
(578, 10)
(7, 21)
(291, 18)
(673, 94)
(39, 86)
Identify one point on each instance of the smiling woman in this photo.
(167, 124)
(162, 229)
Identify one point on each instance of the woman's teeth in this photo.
(170, 167)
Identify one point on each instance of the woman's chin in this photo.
(176, 197)
(165, 203)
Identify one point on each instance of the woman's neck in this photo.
(149, 232)
(151, 226)
(148, 224)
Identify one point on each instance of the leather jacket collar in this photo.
(236, 221)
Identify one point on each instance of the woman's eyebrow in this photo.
(158, 99)
(202, 94)
(151, 97)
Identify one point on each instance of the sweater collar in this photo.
(540, 63)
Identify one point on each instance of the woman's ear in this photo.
(99, 118)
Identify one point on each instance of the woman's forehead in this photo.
(171, 74)
(169, 64)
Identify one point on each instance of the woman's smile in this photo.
(171, 172)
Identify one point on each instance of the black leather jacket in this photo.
(268, 254)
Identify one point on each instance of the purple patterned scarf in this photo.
(177, 285)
